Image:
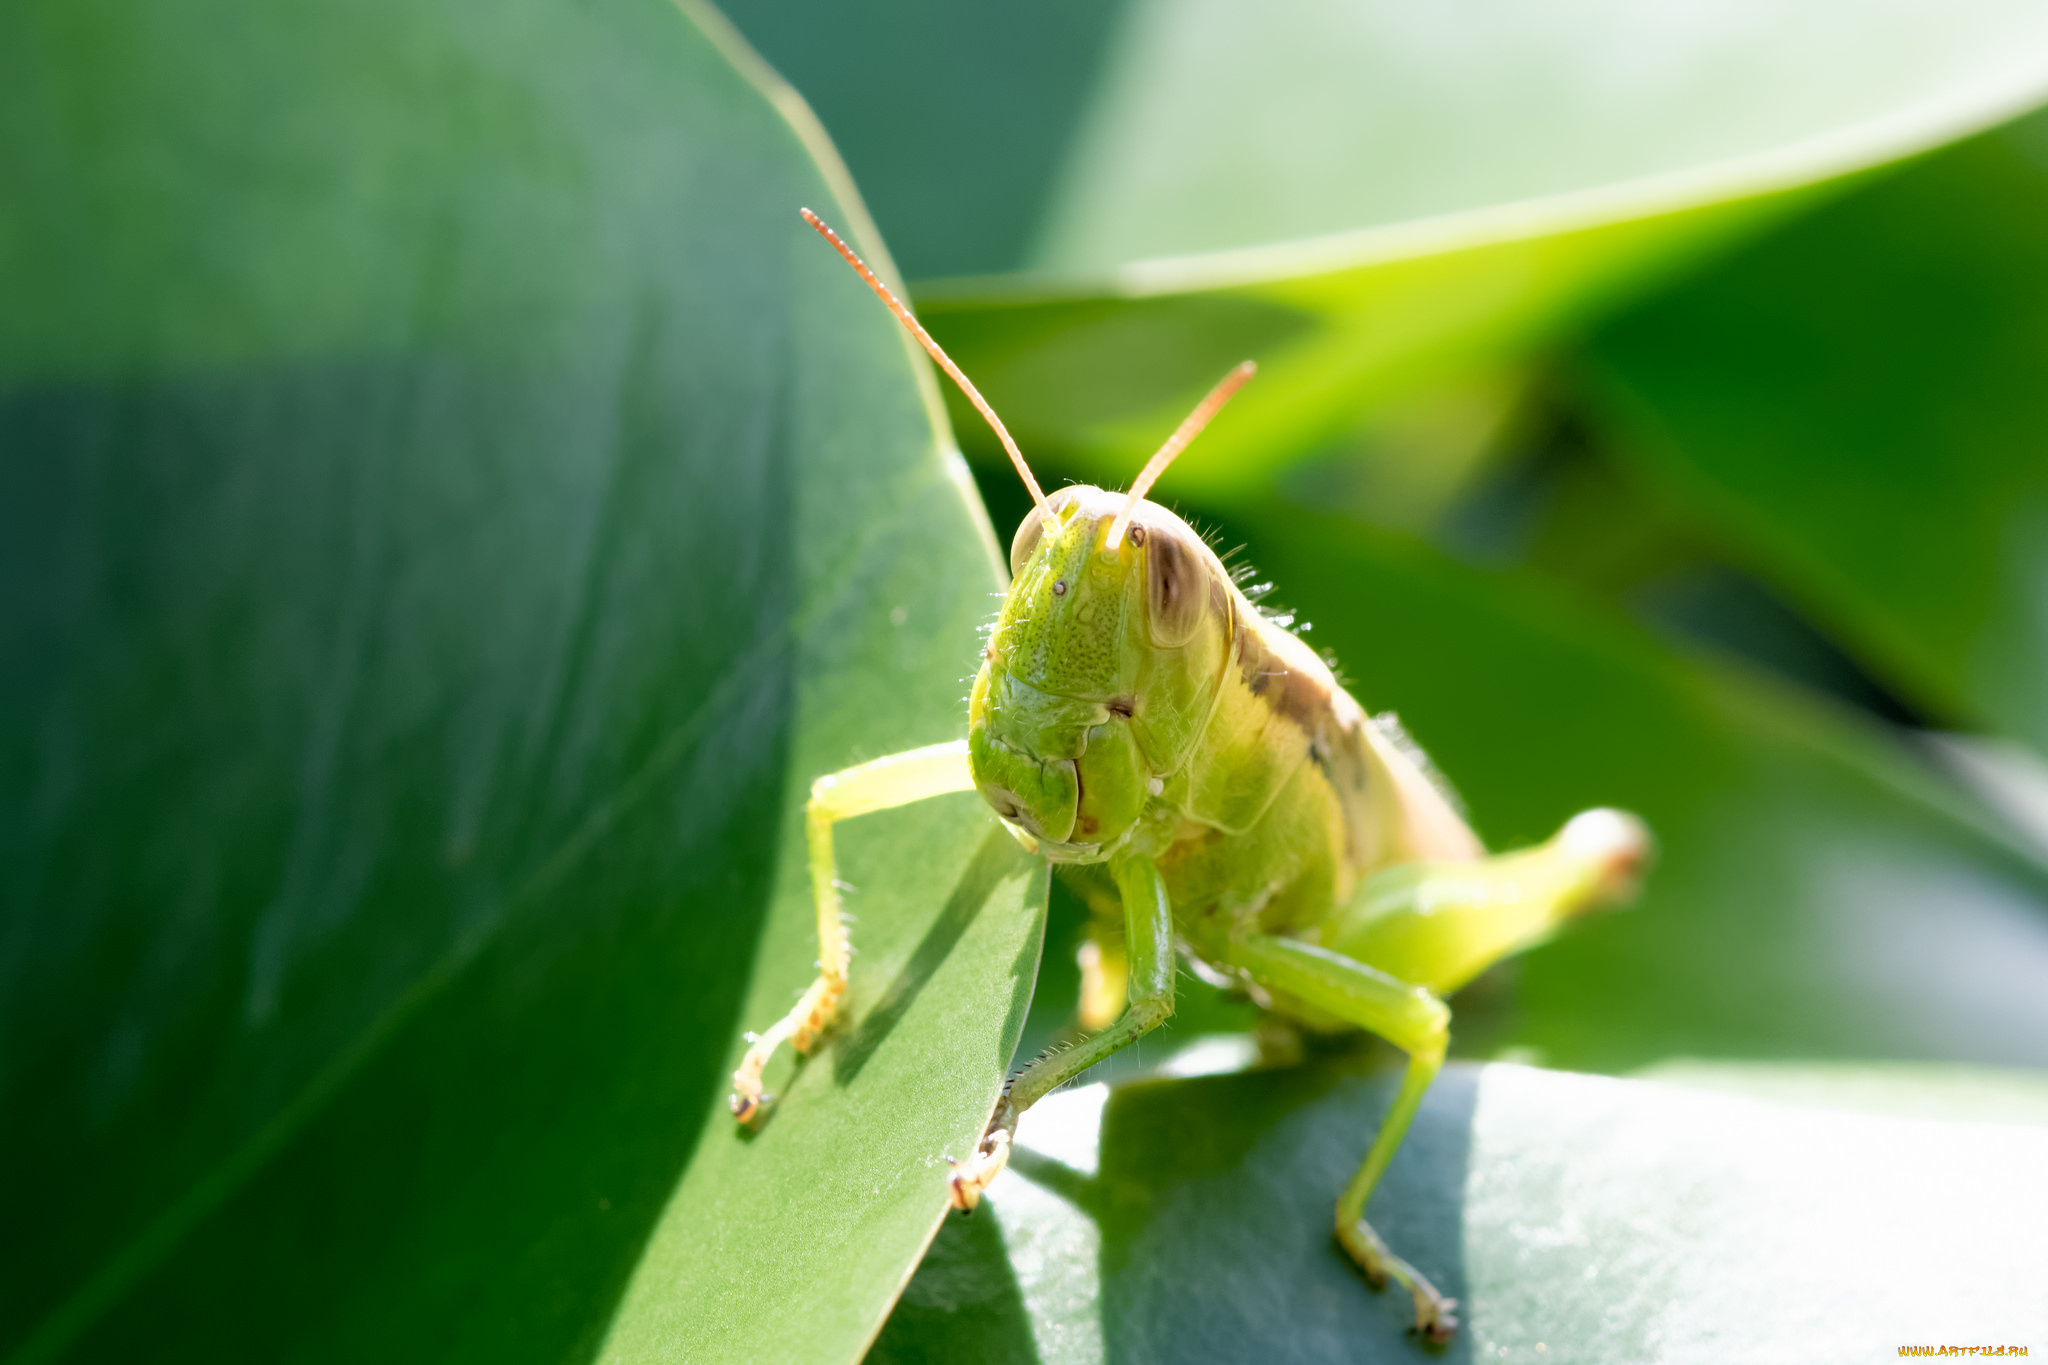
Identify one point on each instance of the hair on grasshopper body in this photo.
(1193, 768)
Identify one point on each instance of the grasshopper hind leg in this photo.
(1439, 924)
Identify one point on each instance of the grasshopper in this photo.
(1195, 771)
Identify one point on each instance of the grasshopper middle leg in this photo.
(1150, 965)
(883, 784)
(1411, 1018)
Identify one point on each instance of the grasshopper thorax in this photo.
(1100, 673)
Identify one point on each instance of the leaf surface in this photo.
(451, 507)
(1108, 205)
(1856, 405)
(1574, 1217)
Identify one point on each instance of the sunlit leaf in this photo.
(1575, 1218)
(1857, 403)
(1108, 205)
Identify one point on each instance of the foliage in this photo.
(443, 542)
(451, 508)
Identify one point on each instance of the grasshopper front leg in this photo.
(1148, 935)
(896, 780)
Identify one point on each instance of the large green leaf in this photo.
(1576, 1218)
(1106, 206)
(1858, 404)
(450, 507)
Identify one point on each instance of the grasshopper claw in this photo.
(1436, 1318)
(748, 1102)
(748, 1099)
(1442, 1325)
(961, 1192)
(802, 1028)
(971, 1177)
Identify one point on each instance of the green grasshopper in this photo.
(1194, 770)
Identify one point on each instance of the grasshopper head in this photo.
(1100, 672)
(1110, 647)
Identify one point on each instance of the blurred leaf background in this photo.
(450, 510)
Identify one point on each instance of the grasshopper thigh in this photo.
(1439, 924)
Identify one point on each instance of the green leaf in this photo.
(1107, 206)
(1964, 1094)
(1575, 1218)
(451, 507)
(793, 1245)
(1857, 405)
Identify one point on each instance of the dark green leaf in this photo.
(1858, 403)
(451, 507)
(1575, 1218)
(1364, 197)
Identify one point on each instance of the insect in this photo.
(1199, 776)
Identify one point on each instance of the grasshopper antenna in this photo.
(924, 339)
(1187, 431)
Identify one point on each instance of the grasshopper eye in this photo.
(1179, 589)
(1032, 529)
(1029, 532)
